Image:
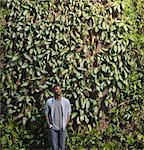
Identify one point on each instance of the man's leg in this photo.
(62, 139)
(54, 139)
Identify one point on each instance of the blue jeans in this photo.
(58, 138)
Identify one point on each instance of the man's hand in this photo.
(50, 126)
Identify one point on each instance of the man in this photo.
(58, 110)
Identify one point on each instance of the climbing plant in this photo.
(93, 49)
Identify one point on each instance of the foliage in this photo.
(84, 141)
(95, 50)
(3, 12)
(104, 140)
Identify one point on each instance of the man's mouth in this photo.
(58, 92)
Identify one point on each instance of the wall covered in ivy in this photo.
(94, 49)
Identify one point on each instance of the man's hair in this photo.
(56, 86)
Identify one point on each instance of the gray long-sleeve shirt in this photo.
(50, 111)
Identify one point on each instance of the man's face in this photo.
(57, 91)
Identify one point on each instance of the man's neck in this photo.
(58, 98)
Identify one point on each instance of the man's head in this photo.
(57, 90)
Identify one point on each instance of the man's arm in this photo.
(68, 113)
(46, 114)
(47, 118)
(68, 119)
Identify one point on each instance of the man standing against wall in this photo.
(58, 110)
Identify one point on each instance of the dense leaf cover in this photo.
(95, 51)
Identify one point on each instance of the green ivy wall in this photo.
(95, 51)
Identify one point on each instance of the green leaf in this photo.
(27, 57)
(25, 84)
(26, 28)
(15, 57)
(24, 120)
(74, 115)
